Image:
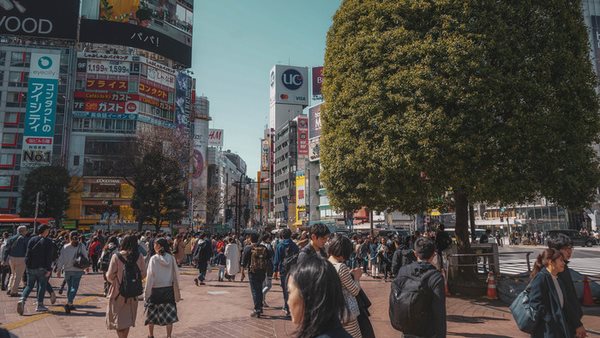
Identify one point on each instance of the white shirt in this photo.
(561, 297)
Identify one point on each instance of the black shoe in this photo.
(67, 309)
(196, 281)
(255, 314)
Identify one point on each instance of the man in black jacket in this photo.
(319, 234)
(425, 272)
(256, 258)
(38, 261)
(202, 255)
(563, 243)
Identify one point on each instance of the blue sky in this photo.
(236, 43)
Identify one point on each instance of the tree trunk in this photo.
(472, 219)
(461, 205)
(157, 224)
(140, 221)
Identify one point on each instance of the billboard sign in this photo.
(302, 139)
(100, 106)
(215, 138)
(102, 84)
(161, 77)
(109, 116)
(317, 83)
(264, 155)
(105, 67)
(41, 19)
(162, 27)
(40, 114)
(183, 100)
(313, 149)
(314, 121)
(289, 85)
(151, 90)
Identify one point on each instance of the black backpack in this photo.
(104, 263)
(291, 257)
(131, 285)
(408, 256)
(410, 302)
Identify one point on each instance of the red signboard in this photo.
(120, 97)
(156, 103)
(100, 106)
(153, 91)
(302, 135)
(99, 84)
(317, 80)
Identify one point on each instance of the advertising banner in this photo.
(300, 196)
(183, 100)
(313, 149)
(302, 130)
(100, 106)
(215, 138)
(106, 67)
(41, 19)
(161, 77)
(163, 27)
(110, 116)
(314, 121)
(106, 96)
(38, 135)
(199, 161)
(101, 84)
(153, 91)
(264, 155)
(289, 85)
(317, 83)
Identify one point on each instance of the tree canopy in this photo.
(494, 100)
(52, 182)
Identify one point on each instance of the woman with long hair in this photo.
(546, 296)
(109, 249)
(315, 299)
(121, 311)
(162, 288)
(339, 251)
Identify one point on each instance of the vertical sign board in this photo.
(314, 132)
(40, 114)
(215, 138)
(300, 196)
(302, 136)
(596, 42)
(317, 83)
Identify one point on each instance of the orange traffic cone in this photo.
(587, 293)
(491, 289)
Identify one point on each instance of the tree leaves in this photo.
(494, 97)
(52, 182)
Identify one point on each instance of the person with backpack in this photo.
(125, 273)
(162, 289)
(417, 293)
(442, 242)
(286, 256)
(403, 255)
(74, 260)
(202, 255)
(256, 258)
(268, 283)
(104, 261)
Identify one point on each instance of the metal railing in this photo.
(491, 261)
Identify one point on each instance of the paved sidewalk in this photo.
(222, 310)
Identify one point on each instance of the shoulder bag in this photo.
(80, 261)
(522, 312)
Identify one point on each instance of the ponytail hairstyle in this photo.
(165, 248)
(544, 259)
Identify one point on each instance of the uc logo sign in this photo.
(45, 62)
(292, 79)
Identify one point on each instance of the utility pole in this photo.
(35, 216)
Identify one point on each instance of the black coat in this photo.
(543, 299)
(572, 306)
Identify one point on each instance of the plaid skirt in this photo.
(161, 314)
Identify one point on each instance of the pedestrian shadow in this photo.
(471, 320)
(477, 335)
(226, 285)
(273, 317)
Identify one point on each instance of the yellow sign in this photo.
(126, 191)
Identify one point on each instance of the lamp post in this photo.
(35, 216)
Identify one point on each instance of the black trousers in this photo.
(256, 282)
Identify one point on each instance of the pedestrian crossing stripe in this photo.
(585, 266)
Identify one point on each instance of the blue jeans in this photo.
(256, 282)
(283, 279)
(33, 276)
(73, 278)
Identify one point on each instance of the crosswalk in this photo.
(586, 266)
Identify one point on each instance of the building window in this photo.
(20, 59)
(2, 58)
(9, 140)
(16, 99)
(5, 182)
(18, 79)
(11, 118)
(4, 203)
(76, 160)
(7, 160)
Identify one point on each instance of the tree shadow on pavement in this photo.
(472, 320)
(478, 335)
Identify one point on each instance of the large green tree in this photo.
(158, 183)
(492, 100)
(52, 182)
